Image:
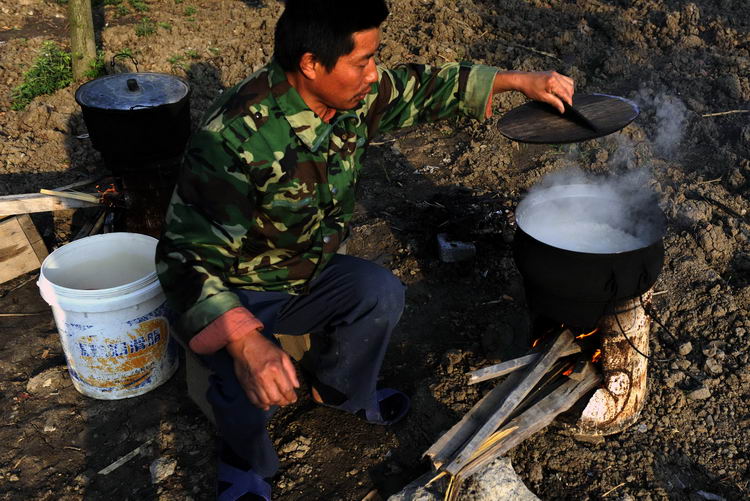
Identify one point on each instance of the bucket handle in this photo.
(124, 54)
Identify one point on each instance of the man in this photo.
(264, 201)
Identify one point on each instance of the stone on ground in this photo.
(498, 480)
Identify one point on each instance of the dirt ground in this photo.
(680, 61)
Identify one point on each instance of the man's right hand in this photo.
(264, 370)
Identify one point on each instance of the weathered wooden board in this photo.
(11, 205)
(21, 248)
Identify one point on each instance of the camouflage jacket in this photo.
(267, 188)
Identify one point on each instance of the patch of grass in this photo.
(126, 52)
(97, 68)
(120, 8)
(178, 2)
(190, 10)
(145, 27)
(178, 61)
(52, 70)
(139, 5)
(165, 26)
(214, 51)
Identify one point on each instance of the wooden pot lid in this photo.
(592, 116)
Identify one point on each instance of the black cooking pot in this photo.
(136, 116)
(575, 281)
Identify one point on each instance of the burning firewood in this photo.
(528, 400)
(531, 377)
(92, 225)
(536, 418)
(497, 406)
(442, 450)
(625, 346)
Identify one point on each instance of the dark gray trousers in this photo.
(350, 312)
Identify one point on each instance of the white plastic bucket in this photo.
(111, 314)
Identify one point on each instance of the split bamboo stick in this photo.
(509, 366)
(84, 197)
(534, 419)
(446, 446)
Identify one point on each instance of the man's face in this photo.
(351, 79)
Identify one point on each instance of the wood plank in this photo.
(17, 254)
(531, 377)
(33, 237)
(11, 205)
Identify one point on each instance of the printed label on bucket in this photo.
(124, 358)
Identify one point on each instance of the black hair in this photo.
(323, 28)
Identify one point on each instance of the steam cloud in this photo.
(609, 214)
(624, 155)
(581, 212)
(670, 115)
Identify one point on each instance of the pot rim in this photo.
(125, 76)
(582, 190)
(593, 255)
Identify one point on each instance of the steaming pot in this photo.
(578, 288)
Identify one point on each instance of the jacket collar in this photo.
(307, 125)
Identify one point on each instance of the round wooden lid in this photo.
(592, 116)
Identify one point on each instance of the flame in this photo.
(547, 334)
(597, 355)
(569, 371)
(111, 189)
(107, 196)
(581, 336)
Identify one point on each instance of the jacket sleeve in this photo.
(413, 94)
(206, 225)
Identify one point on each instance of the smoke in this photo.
(578, 211)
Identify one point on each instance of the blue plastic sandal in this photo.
(392, 406)
(241, 482)
(388, 407)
